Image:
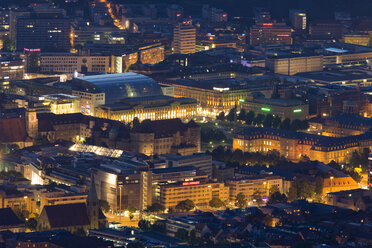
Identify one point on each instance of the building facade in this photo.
(270, 33)
(290, 65)
(184, 38)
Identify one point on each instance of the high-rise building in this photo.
(184, 38)
(33, 59)
(298, 19)
(45, 31)
(267, 33)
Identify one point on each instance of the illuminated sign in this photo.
(267, 25)
(297, 110)
(283, 35)
(190, 183)
(266, 109)
(241, 100)
(220, 89)
(31, 50)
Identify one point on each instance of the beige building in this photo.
(184, 38)
(357, 39)
(62, 103)
(251, 185)
(290, 65)
(198, 191)
(70, 63)
(89, 100)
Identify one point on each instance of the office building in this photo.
(282, 107)
(62, 103)
(200, 192)
(292, 64)
(149, 107)
(298, 19)
(11, 69)
(357, 39)
(33, 60)
(326, 30)
(48, 32)
(184, 38)
(269, 33)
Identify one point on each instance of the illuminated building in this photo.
(214, 96)
(270, 33)
(250, 185)
(212, 44)
(326, 30)
(151, 107)
(48, 198)
(200, 192)
(62, 103)
(184, 38)
(33, 60)
(11, 69)
(97, 34)
(357, 39)
(109, 88)
(166, 136)
(151, 54)
(339, 183)
(282, 107)
(292, 64)
(293, 145)
(70, 63)
(124, 186)
(354, 199)
(17, 201)
(46, 31)
(298, 19)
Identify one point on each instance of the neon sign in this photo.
(190, 183)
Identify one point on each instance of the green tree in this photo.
(135, 123)
(31, 224)
(276, 121)
(185, 205)
(8, 45)
(268, 121)
(259, 119)
(276, 197)
(242, 115)
(273, 189)
(221, 116)
(104, 205)
(292, 193)
(231, 115)
(296, 125)
(240, 201)
(144, 225)
(156, 208)
(250, 117)
(318, 189)
(286, 124)
(216, 202)
(257, 197)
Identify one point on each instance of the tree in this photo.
(8, 45)
(104, 205)
(286, 124)
(31, 224)
(216, 202)
(131, 216)
(156, 208)
(182, 234)
(304, 125)
(268, 121)
(185, 205)
(296, 125)
(292, 193)
(276, 121)
(221, 116)
(250, 117)
(135, 123)
(273, 189)
(231, 115)
(318, 188)
(242, 115)
(240, 201)
(276, 197)
(259, 119)
(257, 197)
(144, 225)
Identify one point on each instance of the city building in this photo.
(10, 222)
(357, 199)
(184, 38)
(254, 185)
(109, 88)
(326, 30)
(294, 145)
(45, 31)
(70, 63)
(200, 192)
(149, 107)
(62, 103)
(33, 60)
(267, 33)
(11, 69)
(282, 107)
(294, 63)
(201, 161)
(108, 34)
(298, 19)
(357, 39)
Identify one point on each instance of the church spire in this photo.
(92, 195)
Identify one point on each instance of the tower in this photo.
(184, 38)
(32, 122)
(92, 205)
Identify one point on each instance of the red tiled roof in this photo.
(66, 215)
(13, 130)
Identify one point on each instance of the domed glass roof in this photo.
(120, 85)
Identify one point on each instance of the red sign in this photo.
(190, 183)
(31, 50)
(283, 35)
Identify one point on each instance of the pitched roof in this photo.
(8, 218)
(13, 130)
(65, 215)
